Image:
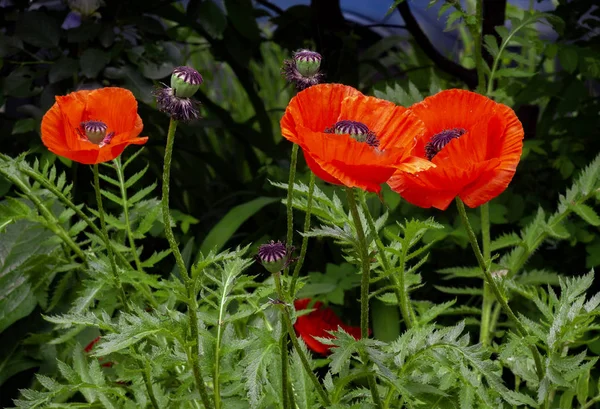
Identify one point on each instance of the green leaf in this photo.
(23, 126)
(491, 45)
(459, 291)
(21, 243)
(92, 61)
(213, 20)
(506, 240)
(583, 387)
(228, 225)
(587, 213)
(133, 80)
(62, 69)
(568, 58)
(12, 362)
(38, 29)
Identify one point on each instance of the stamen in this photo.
(356, 130)
(438, 141)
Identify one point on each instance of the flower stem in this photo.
(477, 39)
(364, 286)
(287, 321)
(398, 283)
(488, 300)
(285, 379)
(303, 248)
(148, 383)
(192, 301)
(290, 200)
(495, 290)
(136, 258)
(109, 248)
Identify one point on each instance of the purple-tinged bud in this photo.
(307, 62)
(303, 69)
(274, 256)
(185, 81)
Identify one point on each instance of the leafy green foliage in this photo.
(54, 259)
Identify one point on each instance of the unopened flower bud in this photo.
(185, 81)
(307, 62)
(274, 256)
(303, 69)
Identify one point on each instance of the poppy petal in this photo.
(53, 135)
(316, 108)
(393, 125)
(449, 109)
(116, 107)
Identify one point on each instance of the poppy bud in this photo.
(307, 62)
(303, 69)
(274, 256)
(185, 81)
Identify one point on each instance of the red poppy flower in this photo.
(317, 323)
(92, 126)
(475, 144)
(351, 139)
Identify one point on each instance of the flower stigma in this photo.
(95, 132)
(439, 140)
(356, 130)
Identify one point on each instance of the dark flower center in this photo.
(356, 130)
(95, 132)
(271, 252)
(438, 141)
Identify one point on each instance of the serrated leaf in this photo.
(459, 291)
(506, 240)
(141, 194)
(588, 214)
(21, 243)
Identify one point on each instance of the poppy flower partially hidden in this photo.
(475, 144)
(89, 347)
(317, 323)
(91, 127)
(351, 139)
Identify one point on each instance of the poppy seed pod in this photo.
(185, 81)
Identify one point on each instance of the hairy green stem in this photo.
(364, 286)
(136, 258)
(148, 383)
(287, 321)
(476, 31)
(109, 248)
(192, 301)
(285, 379)
(398, 282)
(488, 300)
(290, 200)
(290, 330)
(495, 290)
(303, 248)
